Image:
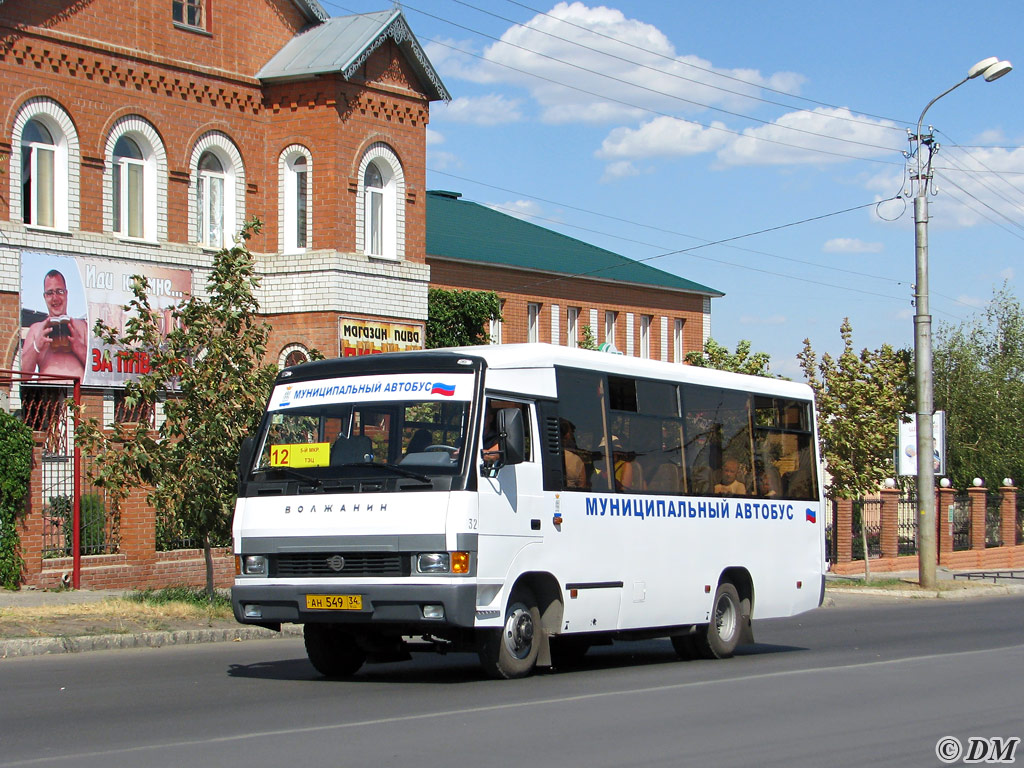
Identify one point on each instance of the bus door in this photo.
(510, 515)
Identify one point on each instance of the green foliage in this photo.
(459, 318)
(588, 341)
(860, 400)
(93, 514)
(741, 361)
(15, 475)
(210, 369)
(979, 382)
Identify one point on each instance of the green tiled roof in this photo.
(459, 229)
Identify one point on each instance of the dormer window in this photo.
(190, 13)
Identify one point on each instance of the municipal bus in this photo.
(525, 502)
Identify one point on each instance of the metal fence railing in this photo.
(907, 520)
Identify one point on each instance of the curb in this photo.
(967, 593)
(44, 646)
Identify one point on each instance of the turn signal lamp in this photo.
(460, 562)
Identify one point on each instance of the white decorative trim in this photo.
(288, 350)
(228, 153)
(630, 333)
(664, 338)
(282, 171)
(67, 211)
(555, 330)
(155, 210)
(384, 155)
(706, 330)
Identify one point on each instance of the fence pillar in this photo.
(889, 522)
(844, 530)
(978, 509)
(944, 522)
(1008, 515)
(30, 522)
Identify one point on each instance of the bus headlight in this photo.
(433, 562)
(254, 565)
(442, 562)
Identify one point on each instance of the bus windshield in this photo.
(356, 422)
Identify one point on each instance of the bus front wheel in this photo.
(332, 652)
(511, 652)
(723, 633)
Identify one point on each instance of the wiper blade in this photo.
(397, 470)
(316, 482)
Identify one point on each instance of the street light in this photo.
(991, 69)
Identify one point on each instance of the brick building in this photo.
(552, 286)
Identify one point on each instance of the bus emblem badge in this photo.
(336, 563)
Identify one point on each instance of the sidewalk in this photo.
(227, 630)
(952, 585)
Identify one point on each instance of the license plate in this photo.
(334, 602)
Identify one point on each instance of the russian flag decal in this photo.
(443, 389)
(812, 516)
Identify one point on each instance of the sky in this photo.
(758, 148)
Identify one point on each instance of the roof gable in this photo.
(466, 231)
(342, 45)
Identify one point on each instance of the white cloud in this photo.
(662, 136)
(832, 134)
(851, 245)
(439, 160)
(521, 209)
(620, 68)
(972, 301)
(492, 109)
(1007, 274)
(434, 138)
(619, 170)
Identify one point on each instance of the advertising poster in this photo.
(371, 337)
(63, 296)
(906, 458)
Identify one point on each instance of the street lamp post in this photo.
(991, 69)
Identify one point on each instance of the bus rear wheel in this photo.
(723, 633)
(332, 652)
(511, 652)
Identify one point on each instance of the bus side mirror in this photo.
(511, 442)
(511, 437)
(245, 461)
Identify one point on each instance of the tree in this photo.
(459, 318)
(860, 400)
(979, 383)
(15, 473)
(717, 356)
(210, 369)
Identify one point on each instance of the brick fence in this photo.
(978, 556)
(135, 563)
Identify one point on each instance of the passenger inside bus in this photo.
(572, 464)
(730, 483)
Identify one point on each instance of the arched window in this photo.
(44, 166)
(38, 153)
(381, 214)
(373, 183)
(217, 204)
(293, 354)
(296, 193)
(129, 189)
(210, 200)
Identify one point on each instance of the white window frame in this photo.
(572, 327)
(296, 202)
(496, 325)
(533, 322)
(611, 318)
(232, 199)
(392, 205)
(210, 205)
(153, 166)
(645, 337)
(677, 339)
(66, 166)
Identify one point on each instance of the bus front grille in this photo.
(343, 565)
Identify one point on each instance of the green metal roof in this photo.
(467, 231)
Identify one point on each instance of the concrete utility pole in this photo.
(991, 69)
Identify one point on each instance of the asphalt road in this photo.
(867, 681)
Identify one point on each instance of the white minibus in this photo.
(525, 502)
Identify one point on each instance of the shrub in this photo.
(15, 475)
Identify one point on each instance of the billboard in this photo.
(62, 297)
(906, 456)
(371, 337)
